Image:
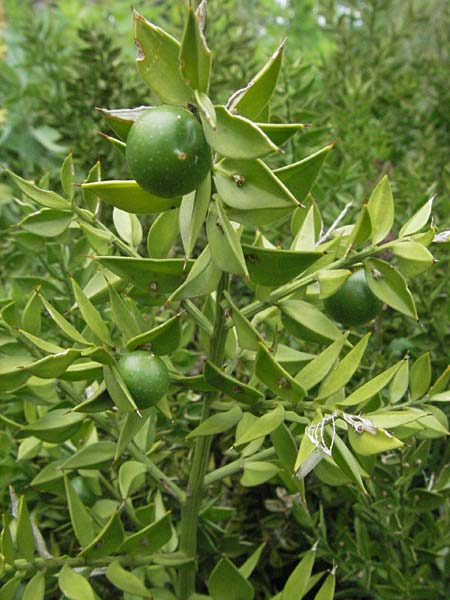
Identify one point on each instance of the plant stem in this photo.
(23, 565)
(166, 484)
(196, 484)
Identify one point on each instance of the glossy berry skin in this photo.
(145, 376)
(354, 303)
(166, 151)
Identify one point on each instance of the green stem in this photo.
(166, 484)
(196, 484)
(21, 564)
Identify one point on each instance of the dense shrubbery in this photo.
(370, 79)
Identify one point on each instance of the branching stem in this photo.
(196, 484)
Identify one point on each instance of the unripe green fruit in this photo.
(145, 376)
(354, 303)
(166, 151)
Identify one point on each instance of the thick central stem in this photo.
(194, 494)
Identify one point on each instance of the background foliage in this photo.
(372, 75)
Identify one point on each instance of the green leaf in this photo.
(12, 377)
(272, 268)
(90, 199)
(149, 274)
(331, 281)
(390, 286)
(251, 100)
(399, 383)
(305, 238)
(82, 523)
(412, 258)
(195, 56)
(6, 541)
(35, 588)
(201, 280)
(247, 568)
(128, 227)
(227, 583)
(157, 62)
(206, 108)
(98, 239)
(31, 316)
(123, 316)
(193, 209)
(297, 583)
(41, 344)
(284, 443)
(276, 378)
(299, 177)
(48, 474)
(280, 133)
(418, 220)
(250, 185)
(390, 419)
(372, 387)
(150, 539)
(441, 382)
(262, 426)
(420, 377)
(131, 477)
(54, 365)
(230, 386)
(93, 456)
(108, 541)
(347, 463)
(236, 137)
(55, 426)
(42, 197)
(163, 339)
(67, 176)
(67, 328)
(435, 424)
(321, 365)
(326, 591)
(74, 586)
(28, 449)
(121, 120)
(248, 335)
(47, 222)
(163, 234)
(217, 423)
(24, 533)
(360, 232)
(131, 425)
(381, 210)
(224, 242)
(91, 315)
(307, 322)
(126, 581)
(8, 591)
(257, 472)
(118, 390)
(129, 197)
(345, 370)
(117, 144)
(366, 443)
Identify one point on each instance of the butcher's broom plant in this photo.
(139, 377)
